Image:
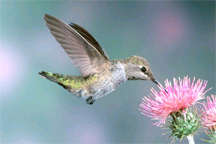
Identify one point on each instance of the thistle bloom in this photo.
(209, 113)
(209, 118)
(176, 98)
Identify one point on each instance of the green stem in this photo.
(190, 139)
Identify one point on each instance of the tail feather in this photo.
(54, 78)
(48, 76)
(72, 83)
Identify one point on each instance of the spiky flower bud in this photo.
(183, 124)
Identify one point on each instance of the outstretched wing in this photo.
(90, 39)
(84, 55)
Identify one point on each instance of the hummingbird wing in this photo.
(90, 39)
(84, 55)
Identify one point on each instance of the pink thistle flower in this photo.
(178, 97)
(209, 113)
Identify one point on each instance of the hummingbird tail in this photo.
(54, 77)
(73, 84)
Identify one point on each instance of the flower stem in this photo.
(190, 139)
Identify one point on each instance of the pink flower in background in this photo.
(209, 112)
(181, 95)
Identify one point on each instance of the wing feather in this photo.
(90, 39)
(82, 52)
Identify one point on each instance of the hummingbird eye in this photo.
(143, 69)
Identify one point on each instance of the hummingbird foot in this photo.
(89, 100)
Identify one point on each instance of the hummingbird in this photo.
(99, 75)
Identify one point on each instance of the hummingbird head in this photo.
(138, 68)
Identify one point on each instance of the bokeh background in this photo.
(177, 38)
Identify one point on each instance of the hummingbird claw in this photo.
(89, 100)
(91, 103)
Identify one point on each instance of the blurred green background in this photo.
(177, 38)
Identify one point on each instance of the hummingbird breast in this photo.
(107, 81)
(118, 74)
(115, 77)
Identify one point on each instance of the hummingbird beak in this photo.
(157, 83)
